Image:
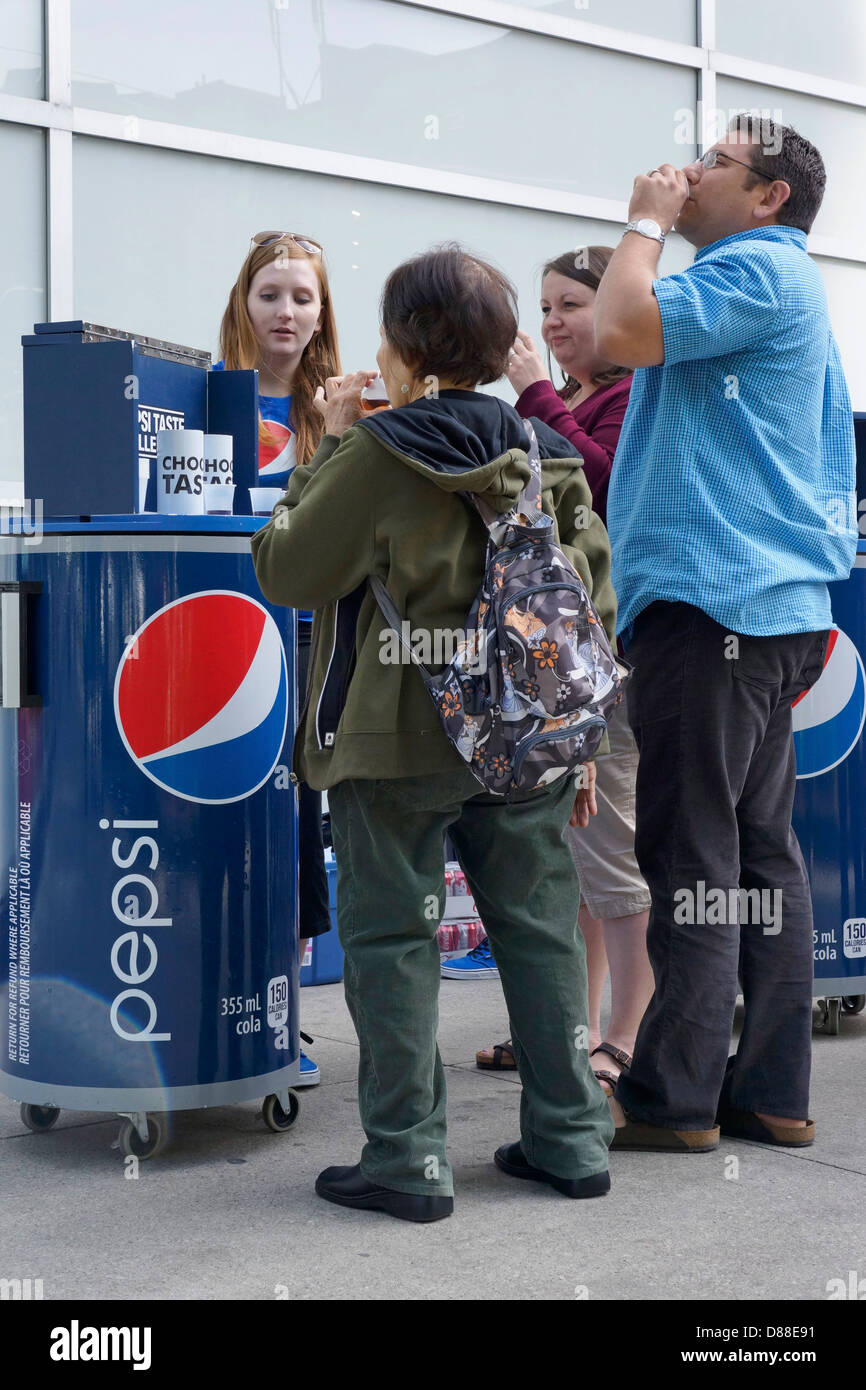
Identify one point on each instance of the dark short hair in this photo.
(586, 265)
(449, 314)
(795, 160)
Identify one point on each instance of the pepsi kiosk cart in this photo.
(147, 818)
(830, 802)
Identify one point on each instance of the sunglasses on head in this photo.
(306, 243)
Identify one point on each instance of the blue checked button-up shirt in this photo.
(733, 486)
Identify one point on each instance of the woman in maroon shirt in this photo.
(590, 407)
(589, 410)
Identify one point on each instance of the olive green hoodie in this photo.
(383, 499)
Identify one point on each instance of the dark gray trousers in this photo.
(711, 713)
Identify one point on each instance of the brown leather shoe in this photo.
(743, 1124)
(634, 1134)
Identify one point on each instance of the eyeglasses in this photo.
(306, 243)
(711, 159)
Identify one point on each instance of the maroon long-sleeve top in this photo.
(593, 427)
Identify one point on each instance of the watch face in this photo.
(647, 227)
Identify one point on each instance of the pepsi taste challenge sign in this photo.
(161, 844)
(151, 421)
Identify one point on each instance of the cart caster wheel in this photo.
(129, 1140)
(853, 1003)
(831, 1017)
(275, 1117)
(39, 1117)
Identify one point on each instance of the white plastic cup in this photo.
(218, 462)
(219, 499)
(264, 499)
(179, 478)
(375, 396)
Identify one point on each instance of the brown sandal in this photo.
(625, 1060)
(498, 1063)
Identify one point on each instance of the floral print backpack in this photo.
(526, 698)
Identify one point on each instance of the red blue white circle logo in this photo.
(828, 719)
(276, 454)
(201, 697)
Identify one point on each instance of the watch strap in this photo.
(635, 227)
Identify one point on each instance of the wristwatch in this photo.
(648, 228)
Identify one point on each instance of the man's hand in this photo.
(339, 401)
(525, 364)
(659, 195)
(584, 803)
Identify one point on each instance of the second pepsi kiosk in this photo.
(830, 802)
(147, 819)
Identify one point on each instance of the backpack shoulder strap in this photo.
(527, 508)
(528, 505)
(395, 622)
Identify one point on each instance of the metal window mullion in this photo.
(59, 226)
(707, 99)
(58, 158)
(519, 18)
(837, 249)
(58, 51)
(363, 169)
(808, 84)
(339, 164)
(26, 111)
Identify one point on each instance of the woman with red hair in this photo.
(279, 321)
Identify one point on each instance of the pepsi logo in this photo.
(201, 697)
(277, 453)
(828, 719)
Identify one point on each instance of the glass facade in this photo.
(393, 82)
(161, 220)
(22, 278)
(21, 68)
(838, 130)
(663, 19)
(829, 40)
(171, 277)
(844, 283)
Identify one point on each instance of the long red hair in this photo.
(240, 350)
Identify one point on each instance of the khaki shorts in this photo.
(603, 853)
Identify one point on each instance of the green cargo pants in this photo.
(388, 840)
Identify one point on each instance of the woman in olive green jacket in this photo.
(381, 497)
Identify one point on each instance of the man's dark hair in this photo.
(449, 314)
(782, 153)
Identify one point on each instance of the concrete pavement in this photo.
(228, 1210)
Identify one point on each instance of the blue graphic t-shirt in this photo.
(277, 453)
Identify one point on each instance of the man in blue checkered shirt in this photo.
(730, 510)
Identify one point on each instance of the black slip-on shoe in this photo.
(348, 1187)
(510, 1158)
